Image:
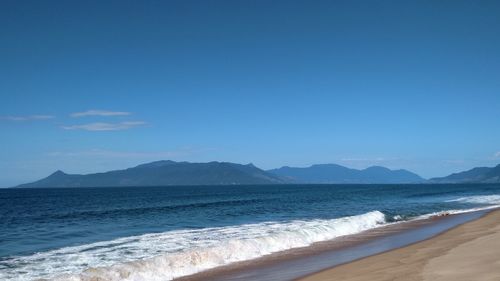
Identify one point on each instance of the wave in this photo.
(172, 254)
(455, 212)
(479, 199)
(183, 252)
(485, 202)
(125, 212)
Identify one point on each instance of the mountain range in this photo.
(333, 173)
(476, 175)
(166, 172)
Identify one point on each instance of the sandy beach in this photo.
(468, 252)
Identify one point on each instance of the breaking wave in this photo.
(483, 202)
(167, 255)
(479, 199)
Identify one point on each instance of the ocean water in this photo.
(160, 233)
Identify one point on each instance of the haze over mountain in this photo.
(166, 172)
(161, 173)
(475, 175)
(333, 173)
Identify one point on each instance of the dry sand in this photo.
(469, 252)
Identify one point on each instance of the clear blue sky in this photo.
(89, 86)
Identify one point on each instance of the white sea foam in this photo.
(164, 256)
(486, 202)
(479, 199)
(167, 255)
(455, 212)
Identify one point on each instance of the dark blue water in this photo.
(44, 220)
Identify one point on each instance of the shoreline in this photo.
(297, 263)
(293, 263)
(467, 251)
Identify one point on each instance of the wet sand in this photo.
(296, 263)
(470, 251)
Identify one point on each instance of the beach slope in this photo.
(468, 252)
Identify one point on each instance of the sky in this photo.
(91, 86)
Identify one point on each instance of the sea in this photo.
(161, 233)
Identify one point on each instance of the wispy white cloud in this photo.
(101, 126)
(96, 112)
(497, 154)
(27, 117)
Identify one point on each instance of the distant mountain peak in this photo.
(326, 165)
(474, 175)
(334, 173)
(159, 163)
(163, 173)
(381, 168)
(58, 173)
